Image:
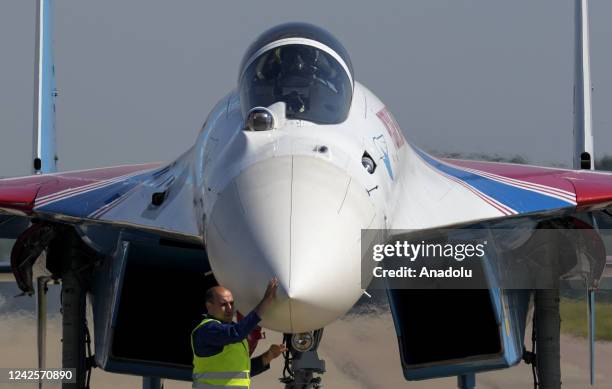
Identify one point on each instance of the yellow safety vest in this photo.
(229, 368)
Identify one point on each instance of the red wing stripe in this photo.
(492, 202)
(561, 192)
(554, 192)
(497, 205)
(69, 191)
(46, 200)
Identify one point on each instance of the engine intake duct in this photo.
(157, 293)
(450, 332)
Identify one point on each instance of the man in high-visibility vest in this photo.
(220, 349)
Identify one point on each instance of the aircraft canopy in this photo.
(312, 78)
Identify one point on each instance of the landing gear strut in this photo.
(73, 330)
(301, 366)
(548, 323)
(71, 259)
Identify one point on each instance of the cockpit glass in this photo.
(312, 83)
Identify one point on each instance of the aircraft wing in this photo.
(122, 196)
(436, 194)
(439, 192)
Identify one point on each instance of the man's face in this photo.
(222, 306)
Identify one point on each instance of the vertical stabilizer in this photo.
(583, 122)
(44, 156)
(584, 158)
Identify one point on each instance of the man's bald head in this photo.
(211, 293)
(220, 303)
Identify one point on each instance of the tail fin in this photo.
(583, 122)
(583, 135)
(44, 151)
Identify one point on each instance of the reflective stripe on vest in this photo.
(228, 369)
(199, 385)
(214, 375)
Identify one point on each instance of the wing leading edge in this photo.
(118, 196)
(449, 192)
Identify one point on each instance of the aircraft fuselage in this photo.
(291, 202)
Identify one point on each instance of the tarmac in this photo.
(360, 351)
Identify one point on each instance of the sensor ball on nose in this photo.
(259, 119)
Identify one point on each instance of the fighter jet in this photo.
(287, 171)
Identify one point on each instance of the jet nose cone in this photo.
(298, 219)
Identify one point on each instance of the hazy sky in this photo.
(138, 78)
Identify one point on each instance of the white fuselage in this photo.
(291, 203)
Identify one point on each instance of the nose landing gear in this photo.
(302, 361)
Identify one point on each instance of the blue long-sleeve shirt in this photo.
(209, 339)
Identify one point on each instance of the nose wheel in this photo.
(302, 362)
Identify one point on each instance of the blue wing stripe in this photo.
(86, 203)
(521, 200)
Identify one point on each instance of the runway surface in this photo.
(360, 351)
